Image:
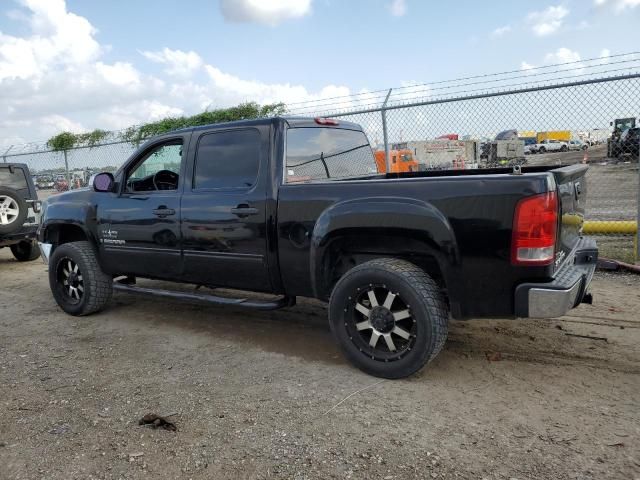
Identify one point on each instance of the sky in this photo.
(78, 65)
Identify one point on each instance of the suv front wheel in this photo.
(78, 284)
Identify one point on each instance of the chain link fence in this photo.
(479, 122)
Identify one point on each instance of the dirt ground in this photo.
(268, 395)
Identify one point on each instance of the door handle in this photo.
(164, 211)
(244, 210)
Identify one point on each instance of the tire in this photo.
(584, 147)
(416, 320)
(563, 148)
(25, 251)
(87, 289)
(13, 210)
(542, 150)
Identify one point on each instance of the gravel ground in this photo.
(268, 395)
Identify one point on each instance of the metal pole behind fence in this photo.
(637, 252)
(4, 155)
(66, 169)
(383, 110)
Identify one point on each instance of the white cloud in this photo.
(177, 62)
(58, 37)
(73, 87)
(562, 55)
(618, 6)
(547, 21)
(605, 53)
(500, 31)
(120, 73)
(526, 66)
(398, 8)
(266, 12)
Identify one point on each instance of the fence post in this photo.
(4, 155)
(66, 169)
(383, 111)
(637, 252)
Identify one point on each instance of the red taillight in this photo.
(326, 121)
(535, 227)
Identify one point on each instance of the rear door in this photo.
(224, 209)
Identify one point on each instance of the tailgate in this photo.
(572, 195)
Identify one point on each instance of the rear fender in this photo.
(412, 217)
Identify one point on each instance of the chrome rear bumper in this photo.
(566, 291)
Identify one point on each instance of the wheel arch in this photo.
(359, 230)
(68, 222)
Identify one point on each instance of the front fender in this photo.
(68, 213)
(412, 217)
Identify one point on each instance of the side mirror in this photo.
(103, 182)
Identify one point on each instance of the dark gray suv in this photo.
(19, 211)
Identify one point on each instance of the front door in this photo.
(139, 229)
(224, 209)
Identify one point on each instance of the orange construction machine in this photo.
(399, 160)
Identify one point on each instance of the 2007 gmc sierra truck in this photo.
(295, 207)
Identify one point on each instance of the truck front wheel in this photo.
(78, 284)
(389, 317)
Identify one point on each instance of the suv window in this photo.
(228, 159)
(15, 180)
(327, 153)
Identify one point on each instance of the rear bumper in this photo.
(27, 233)
(566, 291)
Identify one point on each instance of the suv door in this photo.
(139, 227)
(224, 209)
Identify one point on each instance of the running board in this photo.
(281, 302)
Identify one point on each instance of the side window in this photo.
(158, 169)
(228, 159)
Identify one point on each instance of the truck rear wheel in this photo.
(25, 251)
(78, 284)
(389, 317)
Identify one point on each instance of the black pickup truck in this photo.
(296, 207)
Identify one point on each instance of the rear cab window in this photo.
(325, 154)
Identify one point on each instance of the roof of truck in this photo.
(292, 121)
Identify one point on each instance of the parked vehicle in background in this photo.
(44, 182)
(289, 206)
(561, 135)
(550, 146)
(399, 160)
(61, 185)
(619, 125)
(19, 208)
(577, 145)
(629, 143)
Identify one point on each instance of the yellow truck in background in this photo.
(560, 135)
